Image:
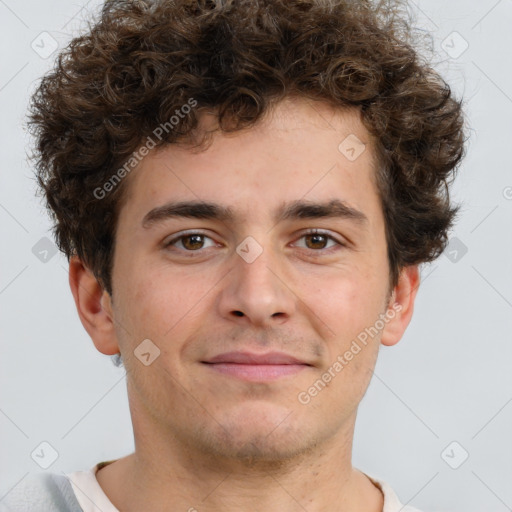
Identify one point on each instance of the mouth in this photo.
(256, 367)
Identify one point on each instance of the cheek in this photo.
(350, 310)
(161, 303)
(352, 303)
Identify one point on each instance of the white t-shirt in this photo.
(91, 497)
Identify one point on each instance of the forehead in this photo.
(300, 149)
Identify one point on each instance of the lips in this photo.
(249, 366)
(270, 358)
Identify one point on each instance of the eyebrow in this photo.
(299, 209)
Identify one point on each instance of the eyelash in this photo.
(310, 232)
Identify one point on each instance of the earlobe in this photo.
(401, 305)
(94, 307)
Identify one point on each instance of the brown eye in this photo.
(317, 241)
(191, 242)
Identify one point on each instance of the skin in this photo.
(209, 441)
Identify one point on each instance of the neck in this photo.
(167, 475)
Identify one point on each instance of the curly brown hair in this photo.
(141, 61)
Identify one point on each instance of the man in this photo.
(245, 191)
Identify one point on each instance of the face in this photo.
(251, 278)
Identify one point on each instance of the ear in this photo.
(401, 305)
(94, 307)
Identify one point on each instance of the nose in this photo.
(259, 292)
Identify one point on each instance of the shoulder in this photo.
(391, 501)
(41, 492)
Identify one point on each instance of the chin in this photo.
(267, 436)
(258, 450)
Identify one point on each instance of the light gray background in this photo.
(450, 377)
